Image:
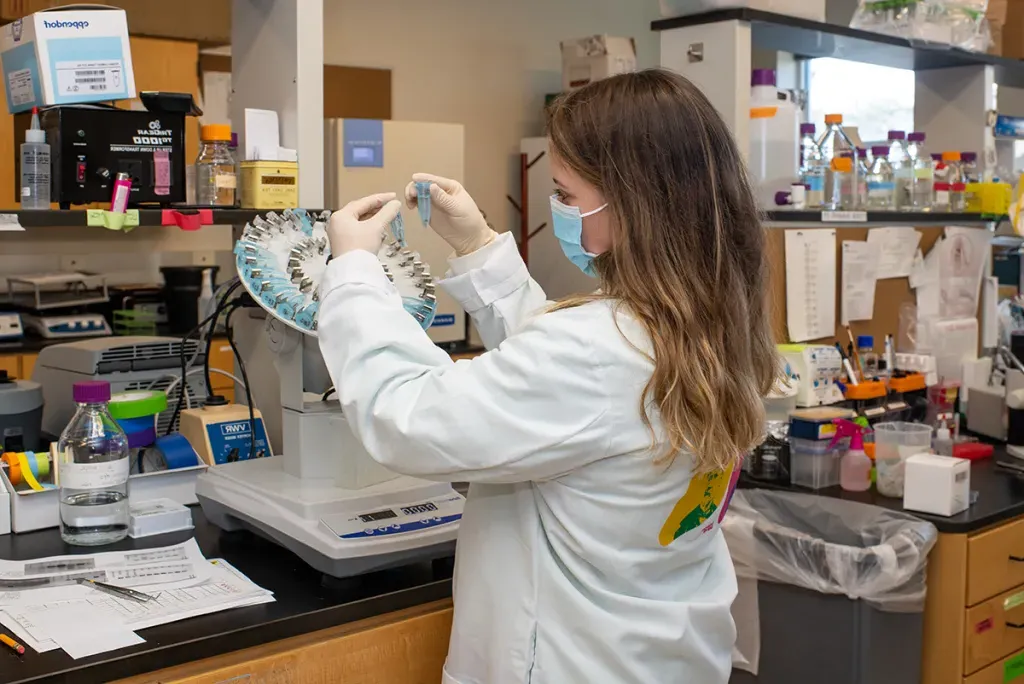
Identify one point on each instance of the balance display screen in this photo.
(378, 515)
(419, 508)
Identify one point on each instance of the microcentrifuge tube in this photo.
(423, 200)
(398, 230)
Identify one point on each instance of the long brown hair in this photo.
(688, 254)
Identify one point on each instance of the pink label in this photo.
(161, 172)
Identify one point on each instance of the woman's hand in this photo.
(454, 215)
(361, 224)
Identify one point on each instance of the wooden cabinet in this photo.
(1009, 669)
(222, 358)
(995, 629)
(974, 611)
(11, 364)
(995, 561)
(28, 364)
(18, 365)
(406, 647)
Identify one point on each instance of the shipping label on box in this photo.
(585, 60)
(66, 57)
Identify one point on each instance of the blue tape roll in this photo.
(177, 451)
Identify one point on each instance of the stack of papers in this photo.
(44, 607)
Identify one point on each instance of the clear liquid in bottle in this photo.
(94, 468)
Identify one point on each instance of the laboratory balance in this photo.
(324, 498)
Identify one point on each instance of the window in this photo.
(875, 99)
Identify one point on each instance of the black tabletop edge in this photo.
(1000, 498)
(306, 601)
(890, 218)
(119, 665)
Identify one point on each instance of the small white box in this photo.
(585, 60)
(157, 516)
(66, 57)
(940, 485)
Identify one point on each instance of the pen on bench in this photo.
(122, 592)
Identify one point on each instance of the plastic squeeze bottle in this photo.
(855, 466)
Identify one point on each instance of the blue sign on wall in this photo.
(364, 142)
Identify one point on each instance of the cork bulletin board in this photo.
(890, 294)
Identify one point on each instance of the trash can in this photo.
(830, 590)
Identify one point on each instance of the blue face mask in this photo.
(568, 225)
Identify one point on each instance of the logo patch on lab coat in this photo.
(702, 507)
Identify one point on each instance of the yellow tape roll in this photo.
(26, 472)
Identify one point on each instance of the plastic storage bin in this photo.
(808, 9)
(830, 590)
(812, 463)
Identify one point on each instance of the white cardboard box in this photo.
(66, 57)
(585, 60)
(940, 485)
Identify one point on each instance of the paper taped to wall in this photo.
(810, 284)
(860, 269)
(896, 249)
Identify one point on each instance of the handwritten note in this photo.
(810, 283)
(896, 249)
(860, 271)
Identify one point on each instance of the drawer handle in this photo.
(1015, 625)
(1018, 559)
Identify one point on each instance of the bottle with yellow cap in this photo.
(216, 175)
(836, 146)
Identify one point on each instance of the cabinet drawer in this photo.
(995, 629)
(221, 357)
(991, 568)
(1009, 669)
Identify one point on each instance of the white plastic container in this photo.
(774, 138)
(808, 9)
(813, 463)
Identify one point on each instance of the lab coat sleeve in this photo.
(494, 287)
(533, 409)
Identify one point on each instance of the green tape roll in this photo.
(125, 405)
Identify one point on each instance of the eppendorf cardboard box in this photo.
(205, 21)
(589, 59)
(66, 57)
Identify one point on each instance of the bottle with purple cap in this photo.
(812, 168)
(899, 160)
(969, 167)
(881, 183)
(922, 184)
(93, 469)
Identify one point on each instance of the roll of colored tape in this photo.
(141, 432)
(27, 460)
(138, 404)
(177, 451)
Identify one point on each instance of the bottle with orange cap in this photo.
(950, 188)
(836, 147)
(216, 175)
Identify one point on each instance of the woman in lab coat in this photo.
(601, 434)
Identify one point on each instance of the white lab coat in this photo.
(566, 570)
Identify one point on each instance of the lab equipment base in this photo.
(812, 637)
(340, 532)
